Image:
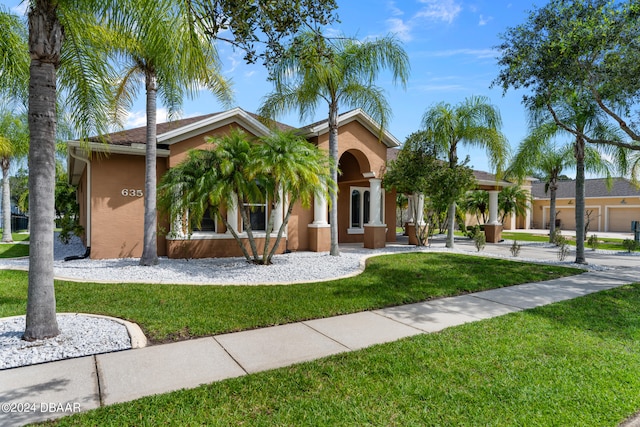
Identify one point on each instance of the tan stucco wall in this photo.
(117, 220)
(609, 213)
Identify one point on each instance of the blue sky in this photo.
(450, 44)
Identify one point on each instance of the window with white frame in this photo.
(359, 209)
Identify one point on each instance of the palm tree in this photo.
(583, 117)
(341, 73)
(513, 200)
(61, 46)
(171, 55)
(294, 170)
(473, 122)
(14, 142)
(477, 202)
(14, 56)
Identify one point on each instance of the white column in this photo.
(411, 218)
(374, 201)
(319, 209)
(418, 204)
(279, 217)
(493, 207)
(176, 228)
(232, 213)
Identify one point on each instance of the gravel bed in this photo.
(80, 335)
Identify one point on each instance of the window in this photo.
(258, 216)
(360, 208)
(208, 222)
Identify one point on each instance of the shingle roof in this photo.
(592, 187)
(138, 135)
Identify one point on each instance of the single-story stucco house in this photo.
(610, 209)
(109, 175)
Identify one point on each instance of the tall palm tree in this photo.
(61, 47)
(342, 73)
(170, 53)
(474, 122)
(583, 117)
(14, 142)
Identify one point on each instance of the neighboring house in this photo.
(609, 209)
(110, 183)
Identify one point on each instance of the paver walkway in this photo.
(55, 389)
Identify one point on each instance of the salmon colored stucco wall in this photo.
(359, 152)
(118, 220)
(179, 150)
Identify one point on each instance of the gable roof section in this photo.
(593, 188)
(322, 127)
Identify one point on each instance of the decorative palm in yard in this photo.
(341, 73)
(169, 53)
(237, 172)
(14, 142)
(475, 122)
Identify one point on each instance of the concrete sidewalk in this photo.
(52, 390)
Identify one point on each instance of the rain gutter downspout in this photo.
(88, 228)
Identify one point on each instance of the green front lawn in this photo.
(172, 312)
(13, 250)
(606, 243)
(573, 363)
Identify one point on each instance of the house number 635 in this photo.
(130, 192)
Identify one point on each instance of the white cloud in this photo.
(394, 10)
(400, 28)
(478, 53)
(432, 10)
(439, 10)
(484, 21)
(136, 119)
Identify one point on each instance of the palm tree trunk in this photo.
(580, 257)
(333, 153)
(283, 227)
(6, 203)
(553, 187)
(45, 38)
(453, 161)
(150, 243)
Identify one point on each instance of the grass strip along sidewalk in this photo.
(570, 363)
(174, 312)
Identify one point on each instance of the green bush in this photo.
(515, 248)
(630, 245)
(593, 242)
(563, 246)
(480, 241)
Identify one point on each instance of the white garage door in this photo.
(620, 218)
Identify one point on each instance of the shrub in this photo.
(473, 231)
(593, 242)
(563, 247)
(630, 245)
(480, 241)
(557, 237)
(515, 248)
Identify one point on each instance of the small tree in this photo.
(477, 203)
